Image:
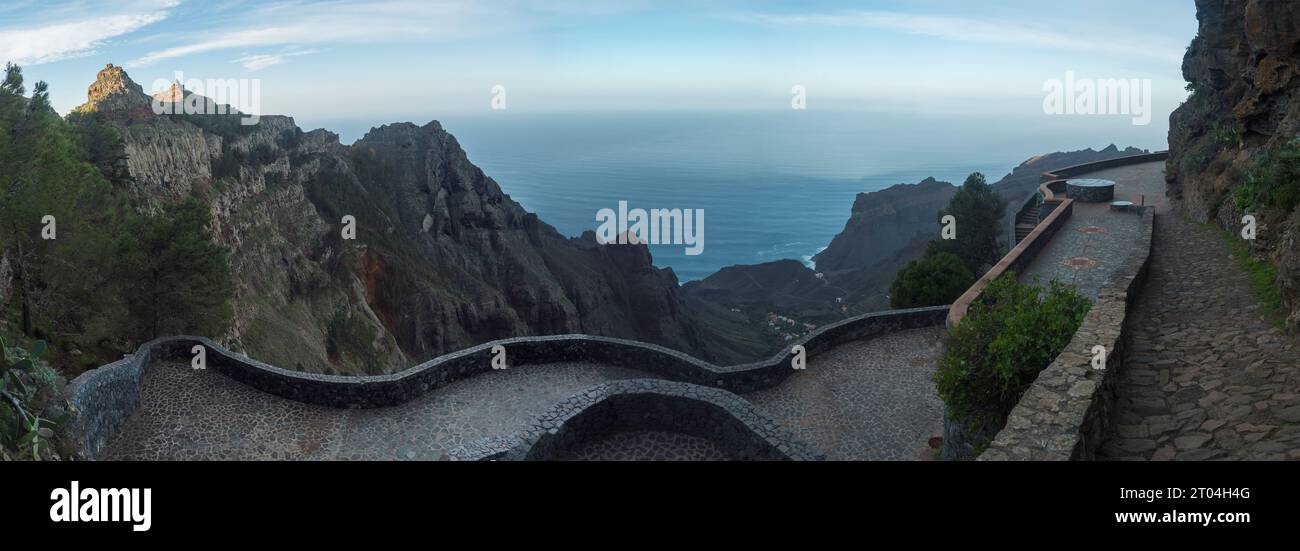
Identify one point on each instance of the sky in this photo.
(394, 60)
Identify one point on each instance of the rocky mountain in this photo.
(783, 285)
(1233, 144)
(881, 221)
(442, 258)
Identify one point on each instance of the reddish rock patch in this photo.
(1080, 263)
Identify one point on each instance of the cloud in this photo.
(976, 30)
(347, 22)
(53, 42)
(257, 62)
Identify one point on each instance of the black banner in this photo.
(1182, 500)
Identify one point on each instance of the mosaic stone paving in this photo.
(871, 399)
(189, 414)
(1095, 240)
(649, 446)
(1207, 377)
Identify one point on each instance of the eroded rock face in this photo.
(1242, 67)
(442, 260)
(882, 220)
(166, 158)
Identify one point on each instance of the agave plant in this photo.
(13, 363)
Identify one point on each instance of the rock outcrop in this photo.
(783, 285)
(442, 259)
(1243, 69)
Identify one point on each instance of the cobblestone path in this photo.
(648, 445)
(870, 399)
(1094, 241)
(1206, 377)
(189, 414)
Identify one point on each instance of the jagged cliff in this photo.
(881, 221)
(1233, 148)
(442, 259)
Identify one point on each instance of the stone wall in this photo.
(1066, 412)
(652, 404)
(1019, 257)
(1072, 171)
(101, 399)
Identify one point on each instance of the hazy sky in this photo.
(418, 60)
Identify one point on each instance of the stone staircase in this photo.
(1026, 221)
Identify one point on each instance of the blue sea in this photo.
(772, 185)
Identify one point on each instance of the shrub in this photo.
(182, 279)
(1005, 340)
(934, 280)
(1273, 183)
(26, 382)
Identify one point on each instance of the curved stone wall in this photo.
(101, 399)
(1084, 168)
(1065, 413)
(653, 404)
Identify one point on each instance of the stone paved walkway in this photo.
(648, 446)
(1207, 377)
(189, 414)
(1094, 241)
(869, 399)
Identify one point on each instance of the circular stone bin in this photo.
(1121, 205)
(1090, 190)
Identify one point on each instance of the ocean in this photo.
(772, 185)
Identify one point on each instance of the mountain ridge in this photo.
(443, 259)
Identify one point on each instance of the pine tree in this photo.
(45, 183)
(181, 280)
(978, 213)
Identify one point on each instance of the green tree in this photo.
(179, 278)
(977, 211)
(933, 280)
(56, 213)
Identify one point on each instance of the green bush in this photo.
(26, 383)
(934, 280)
(1273, 183)
(1005, 340)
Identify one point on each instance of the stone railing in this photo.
(101, 399)
(1084, 168)
(1019, 257)
(719, 416)
(1065, 413)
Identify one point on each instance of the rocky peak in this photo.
(113, 92)
(171, 95)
